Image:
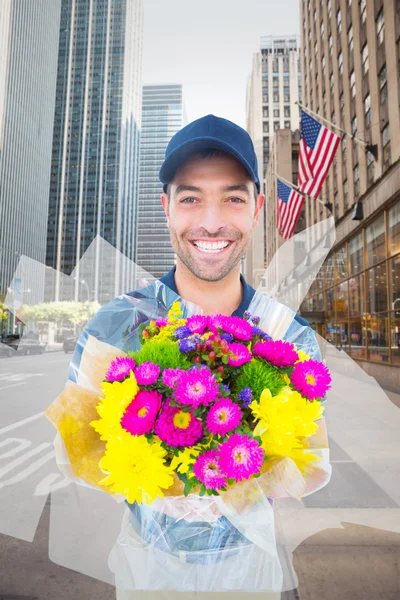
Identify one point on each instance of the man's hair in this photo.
(209, 153)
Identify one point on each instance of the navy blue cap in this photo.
(209, 132)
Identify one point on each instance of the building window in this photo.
(394, 231)
(380, 27)
(363, 10)
(276, 112)
(375, 241)
(276, 125)
(323, 64)
(350, 39)
(330, 43)
(276, 96)
(344, 149)
(383, 84)
(266, 126)
(376, 317)
(331, 80)
(394, 299)
(329, 7)
(367, 110)
(345, 195)
(365, 59)
(322, 31)
(339, 20)
(340, 62)
(315, 16)
(287, 124)
(370, 168)
(353, 84)
(286, 111)
(356, 295)
(386, 145)
(341, 105)
(265, 111)
(356, 173)
(356, 254)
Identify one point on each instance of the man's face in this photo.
(211, 214)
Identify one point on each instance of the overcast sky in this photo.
(208, 45)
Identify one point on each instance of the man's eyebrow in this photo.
(229, 188)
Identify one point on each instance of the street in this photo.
(346, 536)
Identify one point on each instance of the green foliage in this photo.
(166, 354)
(3, 312)
(258, 375)
(76, 313)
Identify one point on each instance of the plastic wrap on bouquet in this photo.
(193, 543)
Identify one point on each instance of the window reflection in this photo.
(394, 229)
(377, 338)
(342, 300)
(375, 241)
(358, 347)
(341, 263)
(377, 290)
(356, 256)
(356, 292)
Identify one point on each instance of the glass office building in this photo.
(94, 171)
(163, 115)
(29, 32)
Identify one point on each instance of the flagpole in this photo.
(290, 184)
(372, 149)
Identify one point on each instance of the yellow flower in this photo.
(136, 469)
(302, 356)
(175, 312)
(184, 460)
(117, 397)
(284, 419)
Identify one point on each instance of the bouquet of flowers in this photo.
(208, 401)
(198, 423)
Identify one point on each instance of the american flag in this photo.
(289, 206)
(317, 148)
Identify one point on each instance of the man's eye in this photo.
(236, 200)
(189, 200)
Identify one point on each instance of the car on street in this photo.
(29, 346)
(69, 344)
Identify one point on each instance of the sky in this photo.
(208, 46)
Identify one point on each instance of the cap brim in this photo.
(182, 152)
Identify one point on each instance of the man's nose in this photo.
(211, 219)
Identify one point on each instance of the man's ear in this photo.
(259, 204)
(165, 204)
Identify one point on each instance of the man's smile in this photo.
(211, 247)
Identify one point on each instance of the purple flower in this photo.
(256, 320)
(227, 337)
(226, 388)
(246, 396)
(246, 315)
(186, 345)
(260, 332)
(182, 332)
(147, 373)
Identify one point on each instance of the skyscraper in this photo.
(29, 32)
(94, 174)
(351, 68)
(163, 115)
(273, 89)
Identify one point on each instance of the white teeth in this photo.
(211, 246)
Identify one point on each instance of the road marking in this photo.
(13, 385)
(21, 423)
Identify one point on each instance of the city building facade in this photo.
(273, 90)
(351, 78)
(29, 31)
(163, 114)
(95, 158)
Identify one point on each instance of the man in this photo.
(212, 202)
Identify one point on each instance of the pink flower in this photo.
(161, 322)
(120, 368)
(279, 353)
(238, 354)
(239, 328)
(141, 413)
(147, 373)
(240, 457)
(215, 322)
(197, 323)
(196, 387)
(207, 470)
(224, 416)
(311, 378)
(178, 428)
(170, 377)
